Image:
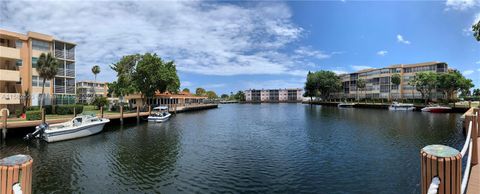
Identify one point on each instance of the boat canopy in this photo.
(160, 108)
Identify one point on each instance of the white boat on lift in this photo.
(401, 107)
(437, 109)
(159, 114)
(79, 126)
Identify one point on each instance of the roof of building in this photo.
(35, 35)
(276, 89)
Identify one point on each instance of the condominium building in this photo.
(274, 95)
(87, 90)
(18, 74)
(379, 85)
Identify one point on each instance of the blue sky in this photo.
(230, 46)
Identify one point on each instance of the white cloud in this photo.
(478, 69)
(338, 72)
(308, 51)
(461, 4)
(382, 53)
(276, 84)
(186, 84)
(202, 37)
(360, 67)
(217, 85)
(478, 62)
(468, 72)
(400, 39)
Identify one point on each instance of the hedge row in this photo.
(59, 109)
(33, 115)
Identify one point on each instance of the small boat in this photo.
(436, 109)
(79, 126)
(401, 107)
(346, 105)
(159, 114)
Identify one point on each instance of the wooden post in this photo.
(43, 115)
(101, 111)
(121, 114)
(138, 113)
(474, 136)
(175, 108)
(443, 162)
(74, 111)
(16, 171)
(4, 128)
(149, 109)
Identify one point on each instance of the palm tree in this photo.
(396, 80)
(95, 71)
(360, 85)
(47, 67)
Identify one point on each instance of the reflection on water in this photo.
(287, 148)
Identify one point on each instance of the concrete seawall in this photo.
(383, 106)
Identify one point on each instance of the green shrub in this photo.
(33, 115)
(68, 109)
(18, 113)
(48, 109)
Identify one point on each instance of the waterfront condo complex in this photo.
(379, 85)
(274, 95)
(87, 90)
(18, 56)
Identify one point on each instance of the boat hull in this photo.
(396, 108)
(436, 110)
(158, 119)
(73, 133)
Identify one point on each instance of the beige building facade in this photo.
(18, 74)
(274, 95)
(379, 85)
(87, 90)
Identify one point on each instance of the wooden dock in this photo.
(112, 116)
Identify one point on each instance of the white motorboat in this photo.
(79, 126)
(346, 105)
(159, 114)
(401, 107)
(436, 109)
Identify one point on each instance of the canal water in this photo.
(249, 148)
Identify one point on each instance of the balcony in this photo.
(70, 72)
(9, 52)
(59, 89)
(70, 55)
(9, 75)
(61, 72)
(70, 90)
(59, 54)
(9, 98)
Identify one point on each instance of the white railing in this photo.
(60, 54)
(59, 89)
(70, 72)
(70, 55)
(61, 72)
(468, 146)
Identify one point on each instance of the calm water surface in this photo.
(267, 148)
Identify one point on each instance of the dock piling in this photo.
(138, 113)
(43, 115)
(101, 111)
(474, 134)
(149, 109)
(4, 128)
(16, 174)
(443, 162)
(74, 111)
(121, 114)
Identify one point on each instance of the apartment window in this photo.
(18, 44)
(34, 80)
(38, 81)
(18, 62)
(34, 62)
(40, 45)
